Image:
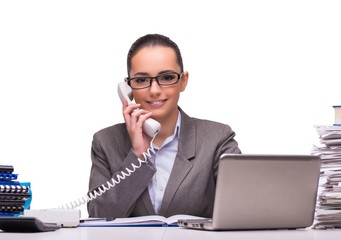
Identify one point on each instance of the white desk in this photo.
(302, 234)
(170, 233)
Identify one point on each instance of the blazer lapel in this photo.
(182, 164)
(147, 202)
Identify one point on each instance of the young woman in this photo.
(180, 173)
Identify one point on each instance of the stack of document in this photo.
(328, 209)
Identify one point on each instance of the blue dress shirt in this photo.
(163, 161)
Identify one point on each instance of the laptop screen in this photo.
(266, 191)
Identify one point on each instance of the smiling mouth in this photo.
(156, 103)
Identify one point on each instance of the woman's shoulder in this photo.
(209, 122)
(204, 123)
(111, 131)
(209, 127)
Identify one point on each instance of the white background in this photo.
(269, 69)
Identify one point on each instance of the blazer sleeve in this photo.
(227, 144)
(111, 158)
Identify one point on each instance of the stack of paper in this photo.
(328, 209)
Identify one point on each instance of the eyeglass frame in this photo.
(128, 80)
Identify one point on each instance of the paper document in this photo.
(152, 220)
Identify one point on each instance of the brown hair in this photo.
(151, 40)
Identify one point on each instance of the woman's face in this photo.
(161, 101)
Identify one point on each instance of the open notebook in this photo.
(263, 192)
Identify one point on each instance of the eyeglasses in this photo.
(163, 80)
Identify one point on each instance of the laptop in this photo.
(263, 192)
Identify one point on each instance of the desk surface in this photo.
(171, 233)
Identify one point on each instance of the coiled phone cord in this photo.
(112, 182)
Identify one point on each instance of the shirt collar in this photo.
(176, 133)
(178, 126)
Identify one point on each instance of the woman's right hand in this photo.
(134, 119)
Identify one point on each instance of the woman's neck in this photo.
(167, 129)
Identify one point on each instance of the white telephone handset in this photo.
(150, 126)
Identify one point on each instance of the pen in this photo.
(97, 219)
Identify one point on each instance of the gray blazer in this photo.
(191, 185)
